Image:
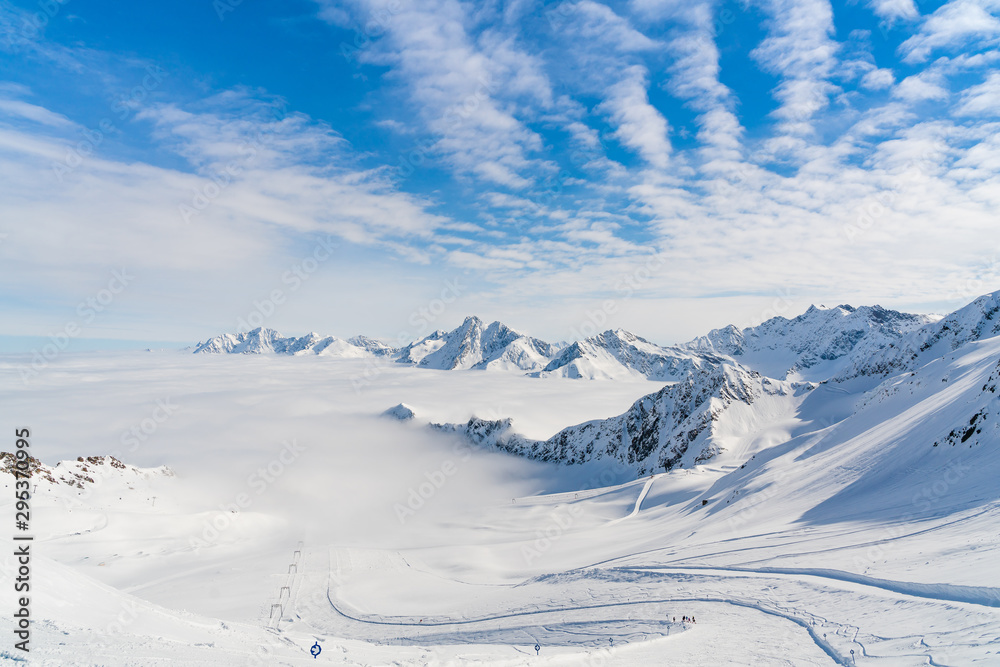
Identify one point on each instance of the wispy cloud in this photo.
(892, 11)
(982, 100)
(799, 48)
(454, 80)
(639, 125)
(921, 87)
(957, 24)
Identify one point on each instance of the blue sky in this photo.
(665, 167)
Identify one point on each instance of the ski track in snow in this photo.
(978, 595)
(569, 619)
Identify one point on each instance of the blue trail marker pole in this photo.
(316, 650)
(537, 649)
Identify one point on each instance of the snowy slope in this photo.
(977, 321)
(415, 352)
(815, 345)
(376, 347)
(620, 354)
(83, 473)
(683, 424)
(920, 446)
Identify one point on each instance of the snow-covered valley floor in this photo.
(296, 515)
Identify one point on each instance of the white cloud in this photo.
(34, 113)
(74, 215)
(584, 135)
(800, 48)
(457, 85)
(639, 125)
(878, 79)
(694, 77)
(982, 100)
(606, 50)
(921, 87)
(894, 10)
(596, 22)
(960, 23)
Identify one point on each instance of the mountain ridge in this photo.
(837, 343)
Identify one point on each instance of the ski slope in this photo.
(830, 524)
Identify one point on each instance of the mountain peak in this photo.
(476, 345)
(815, 345)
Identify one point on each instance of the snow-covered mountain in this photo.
(258, 341)
(977, 321)
(686, 423)
(821, 344)
(815, 345)
(373, 345)
(620, 354)
(474, 344)
(83, 473)
(401, 412)
(715, 409)
(269, 341)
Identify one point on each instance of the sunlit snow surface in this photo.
(837, 536)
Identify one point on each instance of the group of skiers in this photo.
(685, 619)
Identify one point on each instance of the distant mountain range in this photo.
(812, 346)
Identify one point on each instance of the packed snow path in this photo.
(584, 608)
